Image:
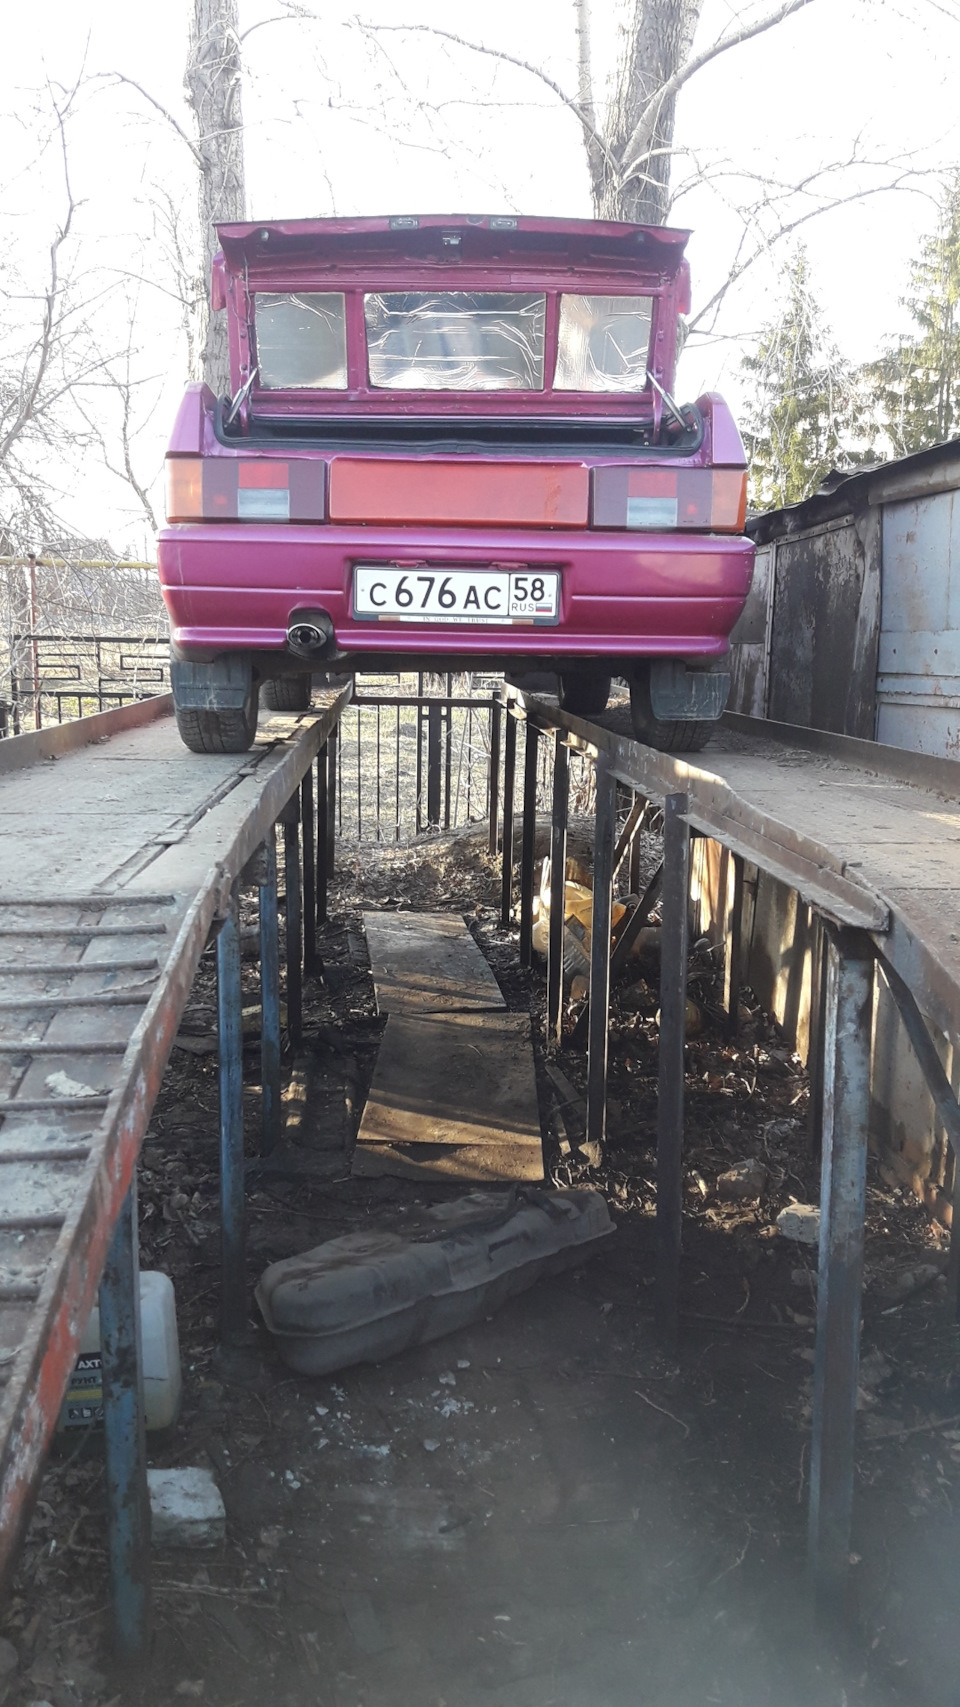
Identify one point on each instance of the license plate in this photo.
(508, 597)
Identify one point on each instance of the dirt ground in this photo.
(540, 1511)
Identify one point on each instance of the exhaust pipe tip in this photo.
(310, 635)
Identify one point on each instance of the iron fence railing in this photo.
(426, 755)
(64, 676)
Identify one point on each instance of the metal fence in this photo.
(73, 675)
(421, 753)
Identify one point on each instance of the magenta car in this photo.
(452, 444)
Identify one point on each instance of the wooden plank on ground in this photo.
(426, 963)
(453, 1096)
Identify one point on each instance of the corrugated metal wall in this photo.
(918, 684)
(853, 623)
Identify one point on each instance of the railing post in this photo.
(421, 725)
(558, 875)
(633, 880)
(291, 873)
(528, 843)
(818, 997)
(125, 1446)
(448, 753)
(309, 875)
(733, 962)
(509, 787)
(269, 999)
(323, 806)
(673, 1014)
(434, 770)
(599, 1009)
(332, 743)
(493, 784)
(233, 1307)
(843, 1174)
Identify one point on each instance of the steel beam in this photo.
(233, 1304)
(269, 1000)
(670, 1070)
(509, 788)
(846, 1102)
(289, 818)
(125, 1445)
(528, 843)
(605, 826)
(558, 877)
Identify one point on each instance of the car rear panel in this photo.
(229, 586)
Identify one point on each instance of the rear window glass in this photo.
(603, 343)
(301, 341)
(455, 340)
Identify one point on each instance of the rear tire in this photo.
(287, 693)
(228, 731)
(584, 695)
(667, 735)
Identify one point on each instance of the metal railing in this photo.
(74, 675)
(421, 753)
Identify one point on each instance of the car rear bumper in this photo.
(230, 587)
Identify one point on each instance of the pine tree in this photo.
(913, 389)
(797, 399)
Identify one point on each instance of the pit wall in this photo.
(781, 954)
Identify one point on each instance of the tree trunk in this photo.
(656, 45)
(213, 90)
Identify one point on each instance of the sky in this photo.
(345, 114)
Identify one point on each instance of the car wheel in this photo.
(583, 695)
(225, 731)
(667, 735)
(286, 693)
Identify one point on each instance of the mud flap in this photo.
(224, 685)
(689, 695)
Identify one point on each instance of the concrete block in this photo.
(801, 1222)
(186, 1509)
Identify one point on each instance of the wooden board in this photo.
(453, 1096)
(428, 963)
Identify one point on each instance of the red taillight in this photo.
(184, 489)
(248, 489)
(650, 500)
(729, 500)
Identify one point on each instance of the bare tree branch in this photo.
(115, 77)
(634, 153)
(42, 352)
(591, 134)
(763, 246)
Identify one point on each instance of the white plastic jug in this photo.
(162, 1380)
